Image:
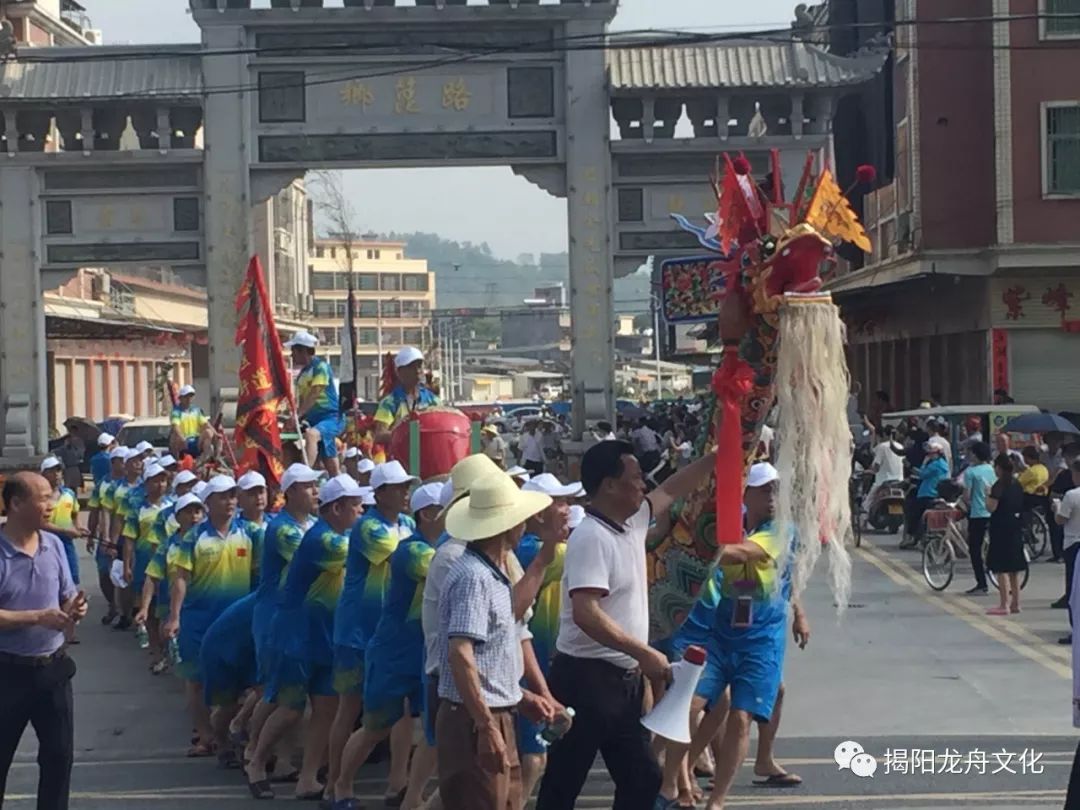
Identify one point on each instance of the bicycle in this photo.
(1036, 532)
(946, 541)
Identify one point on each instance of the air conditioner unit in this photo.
(93, 36)
(282, 239)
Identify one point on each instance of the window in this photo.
(390, 281)
(415, 282)
(339, 308)
(186, 214)
(412, 337)
(367, 309)
(1064, 26)
(333, 253)
(367, 281)
(58, 216)
(366, 337)
(391, 309)
(1061, 149)
(322, 281)
(391, 337)
(325, 309)
(281, 96)
(397, 256)
(320, 252)
(410, 309)
(341, 281)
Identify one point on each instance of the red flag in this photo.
(264, 379)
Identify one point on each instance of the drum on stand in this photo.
(445, 439)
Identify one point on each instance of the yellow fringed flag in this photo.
(831, 214)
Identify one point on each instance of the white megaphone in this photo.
(670, 718)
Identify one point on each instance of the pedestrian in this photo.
(1063, 482)
(227, 659)
(301, 638)
(394, 659)
(1006, 555)
(212, 569)
(646, 446)
(933, 471)
(117, 507)
(494, 445)
(39, 606)
(374, 538)
(63, 514)
(603, 653)
(979, 480)
(100, 461)
(1068, 517)
(140, 543)
(480, 653)
(407, 397)
(71, 454)
(316, 401)
(190, 433)
(531, 450)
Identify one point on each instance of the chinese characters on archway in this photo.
(406, 97)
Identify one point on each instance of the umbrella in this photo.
(1040, 423)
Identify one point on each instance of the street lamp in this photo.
(655, 300)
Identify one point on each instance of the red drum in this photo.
(445, 439)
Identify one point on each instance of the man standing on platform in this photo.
(408, 396)
(317, 402)
(191, 431)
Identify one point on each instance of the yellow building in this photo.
(394, 300)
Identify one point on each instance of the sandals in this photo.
(260, 790)
(200, 750)
(160, 667)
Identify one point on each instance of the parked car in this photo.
(155, 430)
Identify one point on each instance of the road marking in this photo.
(1013, 627)
(906, 579)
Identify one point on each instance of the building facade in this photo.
(394, 298)
(974, 280)
(44, 23)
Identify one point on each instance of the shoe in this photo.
(109, 617)
(997, 611)
(1060, 604)
(1065, 639)
(123, 624)
(1014, 610)
(978, 590)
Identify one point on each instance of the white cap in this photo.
(298, 474)
(119, 452)
(186, 501)
(408, 356)
(761, 475)
(389, 474)
(425, 496)
(519, 473)
(365, 465)
(153, 471)
(187, 390)
(368, 496)
(549, 485)
(105, 439)
(167, 461)
(577, 514)
(50, 462)
(446, 497)
(251, 480)
(184, 477)
(144, 447)
(199, 490)
(302, 338)
(352, 452)
(340, 486)
(217, 485)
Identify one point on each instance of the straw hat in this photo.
(494, 505)
(468, 471)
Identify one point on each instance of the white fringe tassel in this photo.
(814, 442)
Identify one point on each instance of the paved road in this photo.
(904, 671)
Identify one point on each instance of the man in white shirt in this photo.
(937, 438)
(532, 450)
(1067, 516)
(888, 465)
(603, 653)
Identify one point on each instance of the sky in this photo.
(406, 200)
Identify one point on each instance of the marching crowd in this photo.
(493, 628)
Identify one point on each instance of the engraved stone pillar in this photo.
(228, 198)
(797, 115)
(164, 129)
(22, 318)
(588, 182)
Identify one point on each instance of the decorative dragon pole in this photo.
(782, 344)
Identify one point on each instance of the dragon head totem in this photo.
(782, 346)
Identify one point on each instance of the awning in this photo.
(61, 327)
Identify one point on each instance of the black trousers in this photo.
(40, 696)
(1070, 566)
(607, 700)
(534, 467)
(976, 535)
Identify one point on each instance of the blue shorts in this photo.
(190, 646)
(293, 681)
(348, 671)
(752, 669)
(527, 736)
(72, 557)
(265, 659)
(224, 682)
(431, 706)
(191, 446)
(329, 429)
(385, 693)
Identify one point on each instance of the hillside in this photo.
(469, 275)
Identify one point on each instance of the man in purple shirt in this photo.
(39, 605)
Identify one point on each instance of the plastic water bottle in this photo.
(142, 636)
(174, 652)
(556, 730)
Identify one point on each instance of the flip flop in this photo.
(779, 780)
(200, 750)
(228, 761)
(259, 790)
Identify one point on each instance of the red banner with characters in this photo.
(693, 288)
(999, 358)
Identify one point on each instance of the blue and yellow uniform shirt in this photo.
(161, 566)
(98, 492)
(190, 422)
(396, 407)
(768, 588)
(304, 626)
(398, 642)
(367, 575)
(280, 541)
(257, 531)
(100, 466)
(65, 509)
(219, 565)
(314, 374)
(140, 527)
(544, 624)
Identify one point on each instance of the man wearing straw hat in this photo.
(480, 655)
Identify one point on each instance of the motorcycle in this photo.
(885, 512)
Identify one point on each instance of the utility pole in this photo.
(461, 368)
(656, 345)
(449, 332)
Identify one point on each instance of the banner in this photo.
(692, 289)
